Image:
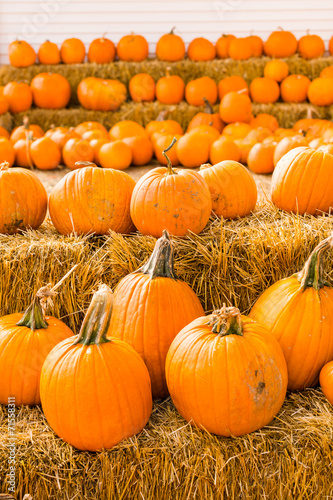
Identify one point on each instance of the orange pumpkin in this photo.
(320, 92)
(177, 200)
(236, 107)
(209, 131)
(132, 48)
(89, 135)
(170, 89)
(240, 49)
(265, 120)
(298, 312)
(326, 381)
(224, 149)
(232, 188)
(327, 72)
(50, 90)
(238, 371)
(142, 149)
(92, 200)
(19, 96)
(170, 47)
(286, 145)
(311, 46)
(294, 88)
(161, 124)
(193, 149)
(77, 150)
(72, 51)
(22, 131)
(22, 152)
(7, 152)
(101, 95)
(330, 46)
(142, 88)
(126, 128)
(101, 51)
(276, 70)
(222, 46)
(116, 154)
(280, 44)
(85, 126)
(96, 144)
(260, 158)
(23, 199)
(264, 90)
(196, 91)
(258, 134)
(206, 117)
(49, 53)
(45, 153)
(237, 130)
(152, 284)
(104, 375)
(60, 137)
(257, 45)
(304, 167)
(201, 49)
(4, 133)
(161, 144)
(232, 84)
(21, 54)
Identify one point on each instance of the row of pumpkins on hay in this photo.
(260, 144)
(53, 91)
(226, 373)
(170, 47)
(94, 200)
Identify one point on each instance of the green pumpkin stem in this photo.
(226, 321)
(97, 318)
(169, 164)
(208, 107)
(33, 317)
(312, 274)
(160, 263)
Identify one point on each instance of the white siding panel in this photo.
(36, 21)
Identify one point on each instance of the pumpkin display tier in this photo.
(156, 290)
(226, 374)
(298, 311)
(25, 341)
(109, 379)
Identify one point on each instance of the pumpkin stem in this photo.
(172, 31)
(312, 273)
(26, 122)
(86, 164)
(169, 164)
(4, 165)
(97, 318)
(208, 107)
(160, 263)
(33, 317)
(226, 321)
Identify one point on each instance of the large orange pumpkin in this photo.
(302, 182)
(326, 381)
(280, 44)
(170, 47)
(201, 49)
(50, 90)
(298, 312)
(19, 96)
(92, 200)
(25, 341)
(105, 375)
(236, 107)
(174, 199)
(132, 48)
(21, 54)
(72, 51)
(49, 53)
(101, 51)
(196, 91)
(101, 95)
(232, 188)
(142, 88)
(157, 290)
(237, 369)
(23, 200)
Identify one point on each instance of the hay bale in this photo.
(287, 114)
(290, 458)
(6, 121)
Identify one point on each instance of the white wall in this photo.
(36, 21)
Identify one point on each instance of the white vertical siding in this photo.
(36, 21)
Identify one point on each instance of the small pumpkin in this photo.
(265, 120)
(92, 200)
(99, 94)
(224, 149)
(132, 48)
(161, 144)
(294, 88)
(276, 70)
(116, 154)
(4, 133)
(280, 44)
(75, 150)
(311, 46)
(238, 371)
(304, 166)
(170, 47)
(327, 72)
(286, 145)
(50, 90)
(326, 381)
(162, 124)
(237, 130)
(19, 96)
(298, 312)
(193, 149)
(101, 51)
(196, 91)
(49, 53)
(22, 131)
(222, 46)
(7, 152)
(264, 90)
(236, 107)
(232, 188)
(206, 117)
(22, 152)
(85, 126)
(23, 199)
(141, 148)
(320, 92)
(126, 128)
(156, 289)
(72, 51)
(233, 83)
(240, 49)
(142, 88)
(21, 54)
(45, 153)
(177, 200)
(96, 144)
(257, 45)
(105, 374)
(260, 158)
(201, 49)
(170, 89)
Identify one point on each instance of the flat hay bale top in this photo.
(290, 458)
